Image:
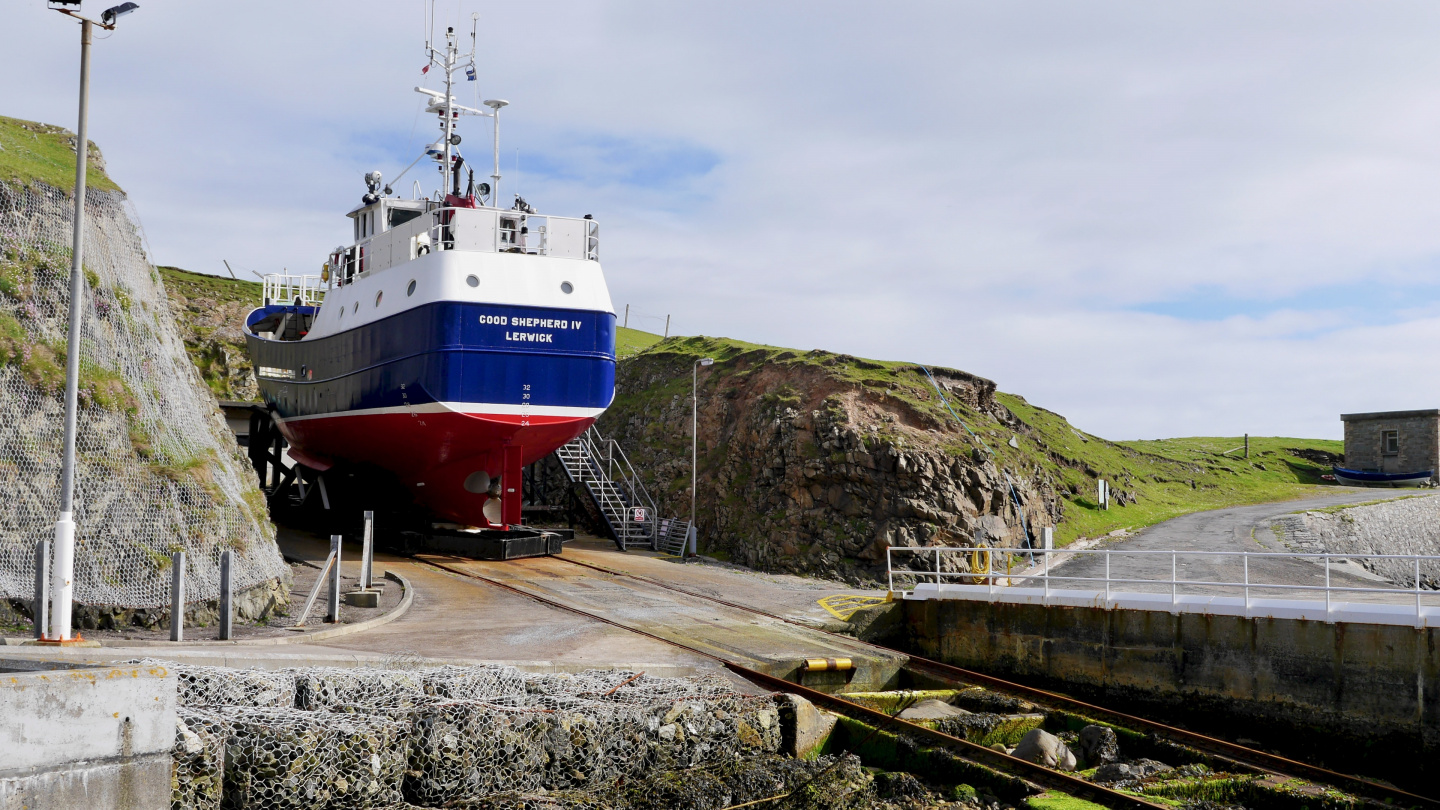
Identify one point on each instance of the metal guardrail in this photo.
(601, 464)
(990, 578)
(286, 289)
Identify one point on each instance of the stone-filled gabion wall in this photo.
(433, 736)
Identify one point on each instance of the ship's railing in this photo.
(1153, 580)
(286, 289)
(491, 230)
(483, 230)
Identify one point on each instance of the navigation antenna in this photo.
(444, 105)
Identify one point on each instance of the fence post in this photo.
(40, 609)
(1418, 623)
(1245, 557)
(1327, 587)
(937, 569)
(890, 568)
(177, 596)
(333, 601)
(367, 559)
(1107, 578)
(1049, 537)
(990, 571)
(1174, 585)
(227, 592)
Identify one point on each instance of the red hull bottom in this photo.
(435, 453)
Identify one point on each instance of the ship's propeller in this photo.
(477, 482)
(492, 511)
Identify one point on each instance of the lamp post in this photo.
(694, 445)
(62, 565)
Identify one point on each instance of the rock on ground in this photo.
(1043, 748)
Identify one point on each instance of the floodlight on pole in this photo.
(62, 563)
(694, 431)
(116, 12)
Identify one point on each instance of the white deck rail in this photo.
(284, 289)
(984, 580)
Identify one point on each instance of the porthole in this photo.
(341, 316)
(355, 308)
(378, 296)
(410, 290)
(566, 287)
(473, 281)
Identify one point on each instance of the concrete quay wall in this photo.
(85, 736)
(1405, 526)
(1356, 697)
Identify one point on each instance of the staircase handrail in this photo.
(632, 486)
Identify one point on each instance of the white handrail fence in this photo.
(280, 288)
(1000, 585)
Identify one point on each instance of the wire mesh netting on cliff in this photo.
(433, 736)
(157, 469)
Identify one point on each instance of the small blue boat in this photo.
(1370, 478)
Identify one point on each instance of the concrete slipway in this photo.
(457, 618)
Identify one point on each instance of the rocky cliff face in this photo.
(157, 470)
(818, 462)
(208, 312)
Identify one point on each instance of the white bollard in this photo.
(367, 558)
(333, 613)
(62, 582)
(227, 591)
(177, 596)
(40, 608)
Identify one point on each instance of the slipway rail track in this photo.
(1241, 758)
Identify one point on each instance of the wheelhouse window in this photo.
(1390, 442)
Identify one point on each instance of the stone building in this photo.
(1392, 441)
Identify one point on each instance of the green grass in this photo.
(40, 153)
(1053, 800)
(629, 342)
(223, 289)
(1159, 479)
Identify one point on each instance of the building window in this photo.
(1390, 442)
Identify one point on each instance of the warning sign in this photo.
(637, 515)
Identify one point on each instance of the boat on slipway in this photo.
(452, 342)
(1376, 478)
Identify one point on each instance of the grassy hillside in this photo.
(632, 341)
(208, 311)
(32, 152)
(1150, 481)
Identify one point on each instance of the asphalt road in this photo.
(1238, 528)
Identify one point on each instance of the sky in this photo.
(1158, 219)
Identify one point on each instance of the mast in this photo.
(443, 103)
(449, 113)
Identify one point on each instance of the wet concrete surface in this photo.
(457, 617)
(1236, 529)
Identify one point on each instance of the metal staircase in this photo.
(628, 510)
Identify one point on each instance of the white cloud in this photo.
(996, 187)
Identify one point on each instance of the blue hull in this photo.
(448, 352)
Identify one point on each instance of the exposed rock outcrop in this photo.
(820, 462)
